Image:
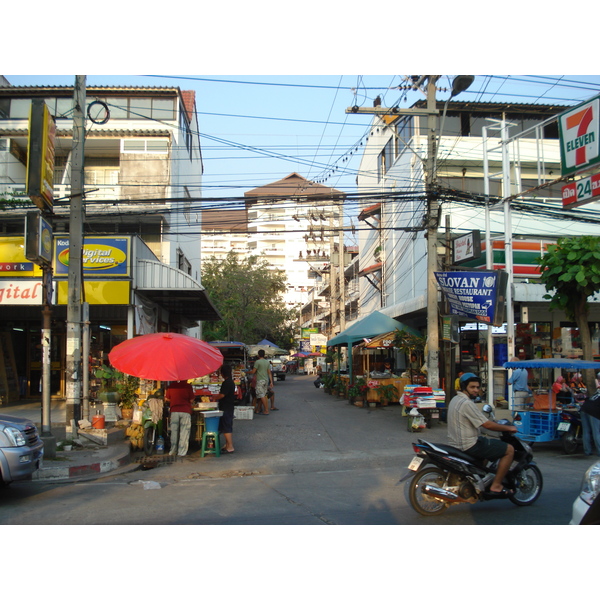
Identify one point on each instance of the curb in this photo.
(121, 456)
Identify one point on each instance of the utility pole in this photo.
(433, 333)
(74, 311)
(431, 112)
(342, 266)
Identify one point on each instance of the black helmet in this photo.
(466, 378)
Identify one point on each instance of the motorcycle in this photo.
(153, 417)
(570, 425)
(441, 475)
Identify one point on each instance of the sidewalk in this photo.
(88, 461)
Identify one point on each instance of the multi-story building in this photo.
(471, 172)
(295, 225)
(143, 171)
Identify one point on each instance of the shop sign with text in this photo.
(581, 192)
(475, 295)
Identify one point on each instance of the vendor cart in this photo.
(422, 401)
(539, 420)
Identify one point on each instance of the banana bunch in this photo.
(135, 433)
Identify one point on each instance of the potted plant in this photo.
(109, 392)
(357, 391)
(387, 393)
(127, 386)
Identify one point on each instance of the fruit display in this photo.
(135, 433)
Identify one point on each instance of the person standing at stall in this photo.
(520, 387)
(180, 395)
(226, 400)
(264, 381)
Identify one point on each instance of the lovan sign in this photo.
(579, 137)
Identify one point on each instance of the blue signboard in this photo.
(478, 295)
(102, 256)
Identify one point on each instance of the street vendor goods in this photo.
(441, 475)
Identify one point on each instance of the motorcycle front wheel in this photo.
(528, 486)
(149, 435)
(569, 442)
(423, 503)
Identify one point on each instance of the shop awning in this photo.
(379, 342)
(175, 291)
(374, 324)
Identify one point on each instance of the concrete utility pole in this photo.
(74, 312)
(433, 333)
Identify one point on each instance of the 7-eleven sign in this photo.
(579, 137)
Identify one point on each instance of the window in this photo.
(160, 109)
(183, 264)
(143, 146)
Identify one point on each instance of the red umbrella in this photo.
(165, 357)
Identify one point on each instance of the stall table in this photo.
(426, 400)
(374, 382)
(197, 419)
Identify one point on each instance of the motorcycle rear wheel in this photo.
(149, 438)
(423, 503)
(528, 486)
(569, 442)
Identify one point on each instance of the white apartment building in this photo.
(469, 167)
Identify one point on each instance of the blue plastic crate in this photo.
(536, 426)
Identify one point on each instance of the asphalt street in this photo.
(317, 461)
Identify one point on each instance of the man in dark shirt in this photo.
(226, 400)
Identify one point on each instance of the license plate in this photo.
(415, 463)
(563, 426)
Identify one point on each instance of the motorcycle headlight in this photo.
(591, 484)
(15, 436)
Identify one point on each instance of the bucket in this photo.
(98, 422)
(211, 420)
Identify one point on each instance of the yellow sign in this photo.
(97, 292)
(12, 259)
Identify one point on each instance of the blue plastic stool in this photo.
(205, 449)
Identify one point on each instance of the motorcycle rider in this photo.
(464, 420)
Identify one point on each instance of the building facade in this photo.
(471, 176)
(143, 174)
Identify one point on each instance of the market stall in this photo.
(540, 421)
(422, 401)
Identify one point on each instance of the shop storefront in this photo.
(128, 291)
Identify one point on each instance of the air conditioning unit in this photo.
(4, 144)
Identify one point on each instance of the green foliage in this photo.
(571, 269)
(248, 295)
(113, 380)
(358, 388)
(408, 342)
(387, 392)
(12, 199)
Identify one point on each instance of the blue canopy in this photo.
(552, 363)
(266, 342)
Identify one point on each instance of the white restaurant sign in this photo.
(21, 292)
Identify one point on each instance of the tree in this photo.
(571, 269)
(248, 295)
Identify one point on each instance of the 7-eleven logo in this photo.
(580, 129)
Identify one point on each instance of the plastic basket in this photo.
(243, 412)
(537, 426)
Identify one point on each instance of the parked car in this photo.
(279, 369)
(590, 490)
(21, 449)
